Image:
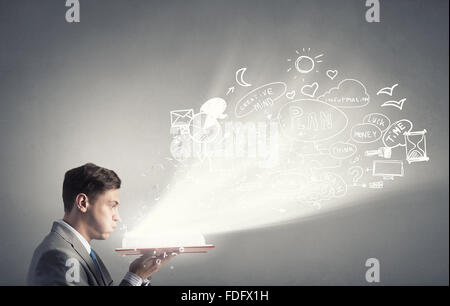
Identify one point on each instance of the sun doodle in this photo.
(304, 63)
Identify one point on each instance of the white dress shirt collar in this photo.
(77, 234)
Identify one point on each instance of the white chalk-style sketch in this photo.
(349, 93)
(240, 77)
(307, 189)
(214, 109)
(336, 182)
(397, 104)
(380, 120)
(321, 148)
(304, 63)
(376, 185)
(260, 99)
(384, 152)
(356, 173)
(416, 147)
(387, 90)
(200, 132)
(365, 133)
(355, 159)
(312, 155)
(309, 120)
(184, 130)
(310, 90)
(181, 118)
(290, 94)
(342, 150)
(393, 136)
(253, 142)
(332, 74)
(180, 146)
(388, 169)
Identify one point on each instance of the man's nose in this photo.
(116, 217)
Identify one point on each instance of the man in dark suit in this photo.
(64, 257)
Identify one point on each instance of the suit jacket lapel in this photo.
(80, 249)
(107, 278)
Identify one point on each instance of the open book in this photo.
(168, 242)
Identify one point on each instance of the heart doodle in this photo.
(332, 74)
(290, 95)
(310, 90)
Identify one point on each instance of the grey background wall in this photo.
(101, 91)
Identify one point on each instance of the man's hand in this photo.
(148, 264)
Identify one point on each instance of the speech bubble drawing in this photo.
(349, 93)
(394, 134)
(380, 120)
(342, 150)
(311, 120)
(365, 133)
(260, 98)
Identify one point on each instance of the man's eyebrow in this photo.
(115, 202)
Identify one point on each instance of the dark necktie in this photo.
(96, 264)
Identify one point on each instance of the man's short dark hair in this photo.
(89, 179)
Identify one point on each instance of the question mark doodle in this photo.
(356, 172)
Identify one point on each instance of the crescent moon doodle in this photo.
(240, 77)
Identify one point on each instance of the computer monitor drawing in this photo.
(388, 169)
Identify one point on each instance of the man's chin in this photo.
(104, 236)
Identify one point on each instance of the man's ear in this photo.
(81, 202)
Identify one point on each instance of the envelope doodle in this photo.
(181, 118)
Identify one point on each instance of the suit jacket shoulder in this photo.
(61, 259)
